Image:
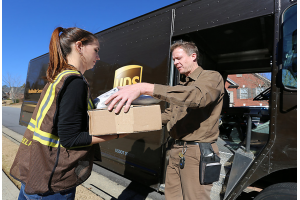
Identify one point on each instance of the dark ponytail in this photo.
(60, 47)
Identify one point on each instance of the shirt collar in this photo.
(195, 74)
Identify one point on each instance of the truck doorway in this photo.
(241, 52)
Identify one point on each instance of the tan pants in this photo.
(184, 184)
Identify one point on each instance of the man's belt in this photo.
(181, 142)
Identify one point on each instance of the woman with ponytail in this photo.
(59, 153)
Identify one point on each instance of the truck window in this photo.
(289, 58)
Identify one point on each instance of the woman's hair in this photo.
(60, 47)
(188, 47)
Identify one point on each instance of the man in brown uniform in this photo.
(195, 107)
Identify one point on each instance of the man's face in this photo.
(184, 63)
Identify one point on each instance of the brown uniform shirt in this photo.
(195, 106)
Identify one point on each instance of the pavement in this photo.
(9, 189)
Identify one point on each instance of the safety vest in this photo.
(42, 163)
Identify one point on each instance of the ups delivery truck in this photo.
(234, 38)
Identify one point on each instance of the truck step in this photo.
(226, 156)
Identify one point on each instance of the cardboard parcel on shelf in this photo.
(137, 119)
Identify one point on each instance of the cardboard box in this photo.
(137, 119)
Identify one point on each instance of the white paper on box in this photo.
(99, 102)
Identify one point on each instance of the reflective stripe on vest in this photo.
(90, 104)
(43, 137)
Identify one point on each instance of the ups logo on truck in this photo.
(128, 75)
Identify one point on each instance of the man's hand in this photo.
(127, 94)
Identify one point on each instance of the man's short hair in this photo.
(188, 47)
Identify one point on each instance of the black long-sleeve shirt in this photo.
(72, 117)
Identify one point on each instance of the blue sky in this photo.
(27, 25)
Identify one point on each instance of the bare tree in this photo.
(13, 83)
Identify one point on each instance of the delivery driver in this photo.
(195, 107)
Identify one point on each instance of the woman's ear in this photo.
(78, 46)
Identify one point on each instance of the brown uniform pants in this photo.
(184, 184)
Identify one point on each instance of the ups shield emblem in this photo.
(128, 75)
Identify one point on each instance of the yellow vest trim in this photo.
(49, 96)
(43, 137)
(32, 124)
